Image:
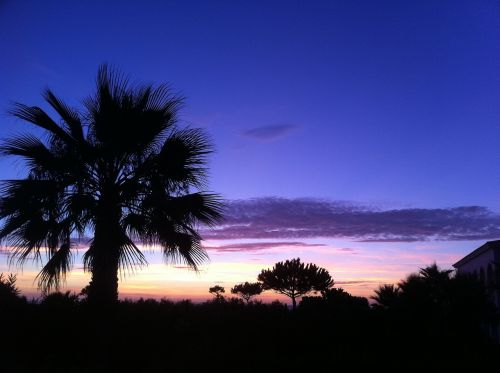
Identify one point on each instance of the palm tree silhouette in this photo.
(120, 171)
(434, 274)
(387, 295)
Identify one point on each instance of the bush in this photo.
(10, 294)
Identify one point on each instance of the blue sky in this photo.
(390, 104)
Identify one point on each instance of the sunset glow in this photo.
(356, 267)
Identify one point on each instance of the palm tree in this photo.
(387, 296)
(434, 274)
(120, 171)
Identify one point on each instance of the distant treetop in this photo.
(295, 279)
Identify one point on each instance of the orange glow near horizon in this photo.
(358, 270)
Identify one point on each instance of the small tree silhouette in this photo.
(8, 287)
(217, 291)
(10, 295)
(247, 290)
(295, 279)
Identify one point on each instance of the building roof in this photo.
(490, 245)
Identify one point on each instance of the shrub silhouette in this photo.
(119, 168)
(337, 302)
(10, 294)
(434, 298)
(8, 287)
(295, 279)
(247, 290)
(60, 300)
(338, 297)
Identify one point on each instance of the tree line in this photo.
(292, 278)
(433, 314)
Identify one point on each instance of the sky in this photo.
(359, 135)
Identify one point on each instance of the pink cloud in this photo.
(258, 246)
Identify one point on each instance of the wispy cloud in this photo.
(258, 246)
(271, 132)
(281, 218)
(356, 282)
(347, 250)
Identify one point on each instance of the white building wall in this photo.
(483, 266)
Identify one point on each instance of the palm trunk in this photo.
(103, 287)
(294, 303)
(105, 256)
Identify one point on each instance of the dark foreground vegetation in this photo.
(426, 322)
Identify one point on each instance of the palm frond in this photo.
(32, 197)
(111, 83)
(69, 116)
(129, 120)
(35, 153)
(56, 269)
(196, 207)
(38, 117)
(135, 224)
(163, 100)
(80, 207)
(129, 255)
(183, 157)
(184, 248)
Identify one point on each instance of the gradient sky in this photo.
(374, 124)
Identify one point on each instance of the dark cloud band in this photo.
(281, 218)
